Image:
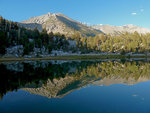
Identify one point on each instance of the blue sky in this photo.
(113, 12)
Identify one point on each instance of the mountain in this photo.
(119, 29)
(57, 22)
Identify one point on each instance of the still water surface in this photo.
(75, 87)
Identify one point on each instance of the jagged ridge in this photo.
(59, 23)
(120, 29)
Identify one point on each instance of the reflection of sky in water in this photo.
(117, 98)
(75, 87)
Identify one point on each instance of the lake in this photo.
(102, 86)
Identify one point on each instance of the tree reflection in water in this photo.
(54, 79)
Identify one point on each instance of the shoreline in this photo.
(73, 57)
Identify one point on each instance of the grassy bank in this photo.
(81, 57)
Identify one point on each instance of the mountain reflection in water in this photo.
(55, 79)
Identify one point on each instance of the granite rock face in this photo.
(120, 29)
(57, 22)
(14, 51)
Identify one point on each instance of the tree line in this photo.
(12, 34)
(122, 43)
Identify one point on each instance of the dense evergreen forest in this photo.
(123, 43)
(12, 34)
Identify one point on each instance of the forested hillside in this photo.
(123, 43)
(12, 34)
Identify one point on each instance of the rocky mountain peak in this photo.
(49, 13)
(58, 22)
(130, 26)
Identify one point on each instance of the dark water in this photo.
(75, 87)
